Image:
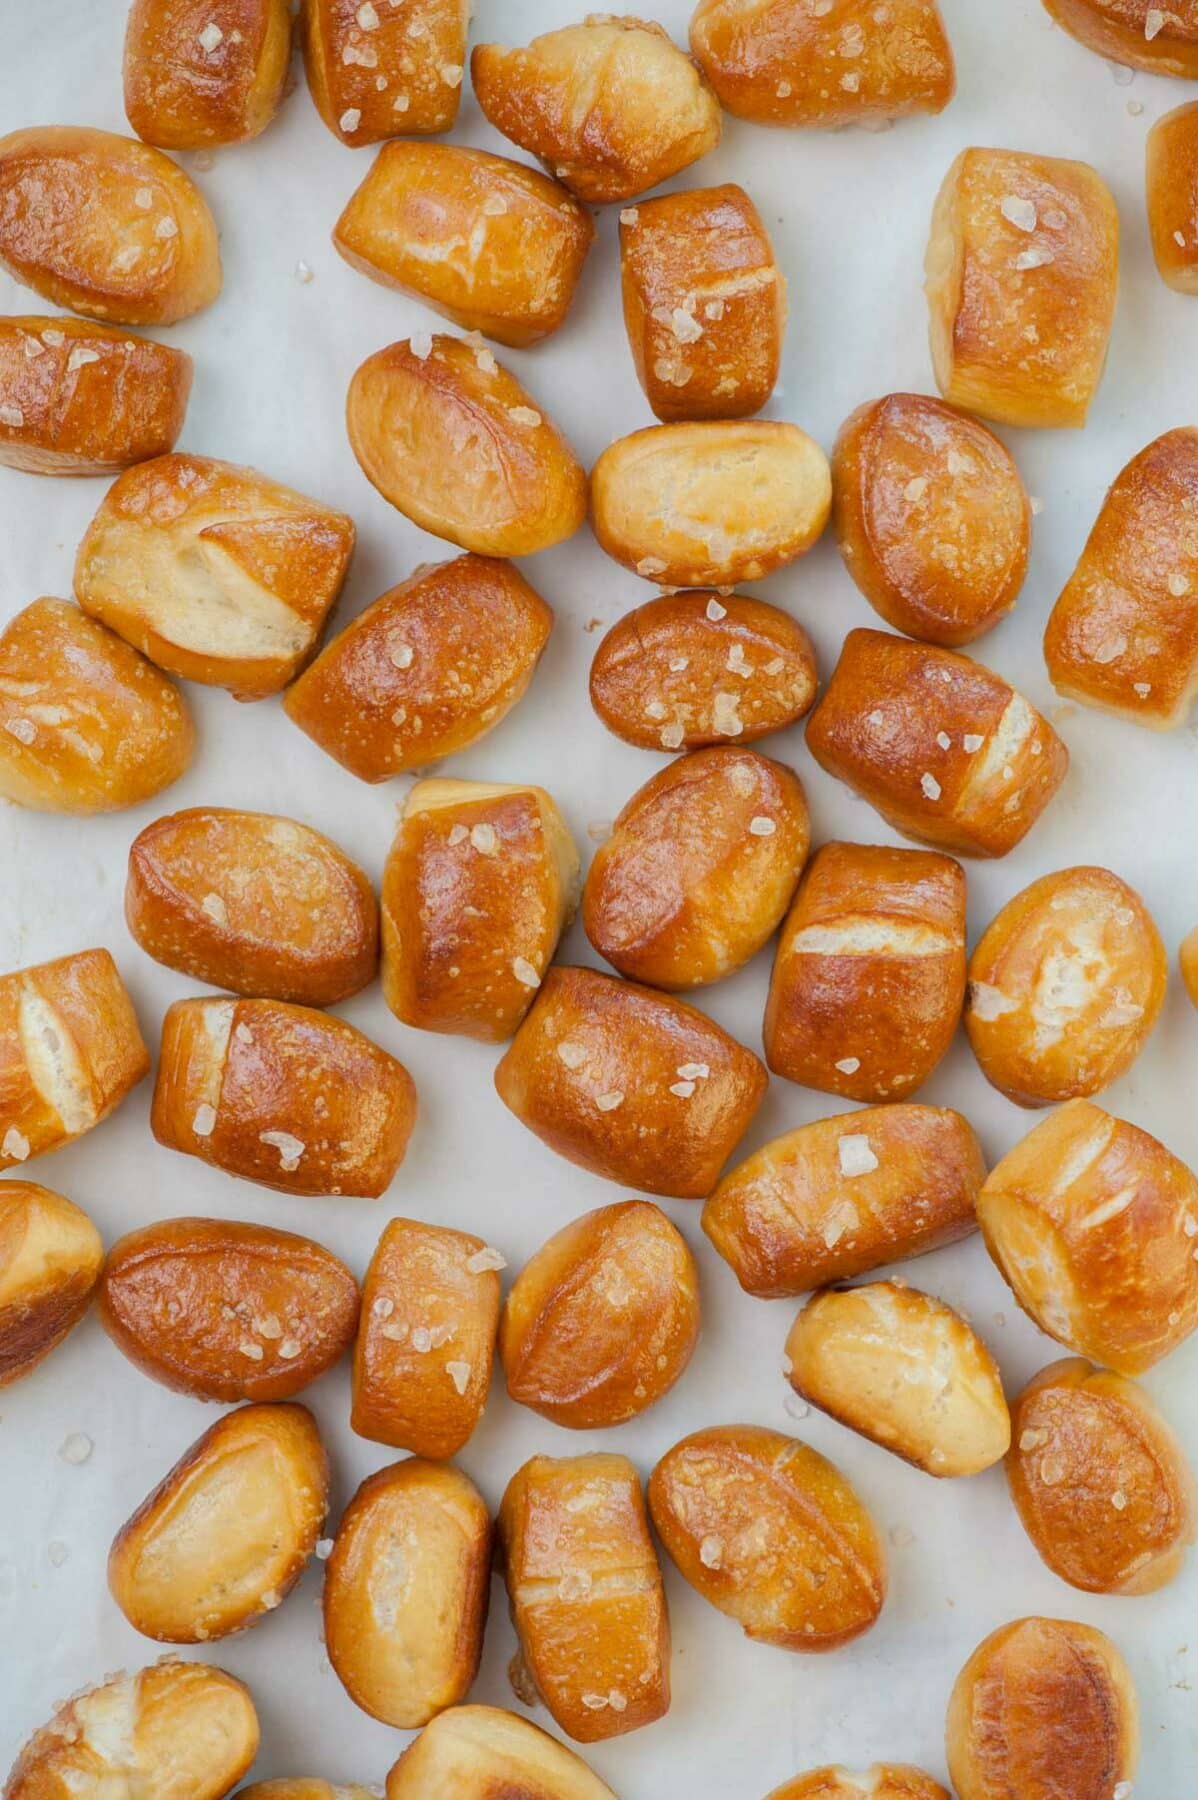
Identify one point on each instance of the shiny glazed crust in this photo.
(82, 399)
(430, 1314)
(288, 1097)
(70, 1050)
(482, 1753)
(704, 303)
(611, 106)
(686, 671)
(214, 572)
(1065, 986)
(586, 1593)
(932, 517)
(404, 1629)
(427, 670)
(699, 869)
(869, 974)
(74, 226)
(603, 1318)
(740, 1509)
(261, 905)
(1123, 635)
(486, 242)
(225, 1535)
(176, 1731)
(400, 71)
(454, 442)
(841, 1196)
(630, 1083)
(205, 72)
(86, 724)
(943, 748)
(1093, 1223)
(1036, 1697)
(225, 1311)
(1022, 272)
(480, 883)
(710, 504)
(50, 1262)
(786, 62)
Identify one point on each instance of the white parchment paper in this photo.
(849, 214)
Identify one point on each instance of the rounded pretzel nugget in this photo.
(240, 1080)
(300, 1787)
(710, 504)
(205, 72)
(1162, 40)
(406, 1591)
(213, 571)
(70, 1050)
(770, 1533)
(1043, 1705)
(842, 1196)
(81, 399)
(473, 1752)
(789, 62)
(1094, 1225)
(86, 724)
(882, 1781)
(452, 440)
(105, 226)
(379, 70)
(629, 1083)
(225, 1535)
(430, 1313)
(1065, 986)
(603, 1319)
(904, 1369)
(704, 303)
(480, 883)
(1123, 635)
(932, 517)
(611, 107)
(247, 901)
(491, 245)
(174, 1731)
(586, 1593)
(869, 974)
(1099, 1481)
(1171, 178)
(225, 1311)
(1022, 270)
(50, 1261)
(699, 869)
(427, 670)
(686, 671)
(944, 749)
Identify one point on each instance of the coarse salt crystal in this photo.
(683, 1089)
(524, 972)
(457, 835)
(1110, 649)
(573, 1055)
(1154, 22)
(1032, 1440)
(694, 1071)
(916, 489)
(350, 119)
(211, 37)
(725, 715)
(485, 1259)
(1119, 1500)
(255, 1352)
(843, 1217)
(166, 227)
(303, 272)
(930, 787)
(1037, 257)
(711, 1552)
(400, 655)
(12, 415)
(1178, 585)
(943, 739)
(421, 345)
(524, 415)
(629, 216)
(594, 1702)
(485, 839)
(290, 1148)
(783, 90)
(15, 1145)
(761, 826)
(144, 199)
(855, 1155)
(451, 74)
(76, 1448)
(215, 908)
(609, 1102)
(24, 730)
(203, 1120)
(684, 326)
(715, 611)
(848, 1065)
(971, 742)
(367, 17)
(1179, 238)
(324, 1548)
(383, 1307)
(678, 664)
(459, 1374)
(1018, 212)
(672, 735)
